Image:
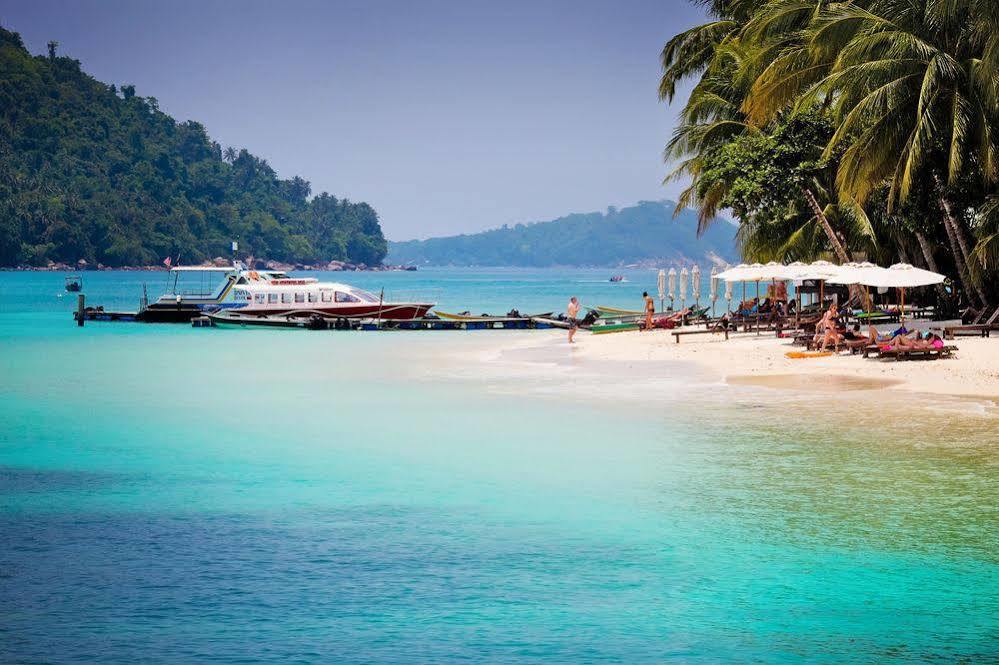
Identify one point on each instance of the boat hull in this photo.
(158, 313)
(386, 311)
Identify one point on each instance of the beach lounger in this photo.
(979, 329)
(908, 354)
(717, 330)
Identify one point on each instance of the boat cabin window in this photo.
(346, 297)
(327, 296)
(272, 298)
(258, 298)
(313, 296)
(365, 296)
(299, 297)
(286, 297)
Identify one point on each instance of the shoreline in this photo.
(748, 360)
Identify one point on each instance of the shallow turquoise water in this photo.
(181, 495)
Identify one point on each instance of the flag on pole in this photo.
(235, 246)
(167, 262)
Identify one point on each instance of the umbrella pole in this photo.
(902, 290)
(797, 309)
(757, 307)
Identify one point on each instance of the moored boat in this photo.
(270, 293)
(614, 311)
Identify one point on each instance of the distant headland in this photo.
(646, 234)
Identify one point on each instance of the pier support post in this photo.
(81, 301)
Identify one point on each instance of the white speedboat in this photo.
(198, 290)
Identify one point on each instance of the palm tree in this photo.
(912, 88)
(913, 99)
(730, 59)
(710, 117)
(229, 154)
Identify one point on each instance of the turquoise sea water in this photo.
(170, 494)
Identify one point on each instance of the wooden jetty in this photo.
(228, 318)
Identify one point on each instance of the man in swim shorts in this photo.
(572, 312)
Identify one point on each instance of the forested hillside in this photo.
(645, 232)
(90, 171)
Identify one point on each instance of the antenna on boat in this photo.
(381, 299)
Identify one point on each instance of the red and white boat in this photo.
(273, 293)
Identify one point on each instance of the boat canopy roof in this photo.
(202, 269)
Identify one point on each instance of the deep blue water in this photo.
(169, 494)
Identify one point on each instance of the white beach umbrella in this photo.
(859, 273)
(795, 270)
(902, 276)
(695, 283)
(684, 279)
(774, 271)
(734, 273)
(821, 271)
(672, 286)
(853, 273)
(661, 283)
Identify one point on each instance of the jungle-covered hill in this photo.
(645, 232)
(90, 171)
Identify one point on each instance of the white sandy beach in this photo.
(747, 358)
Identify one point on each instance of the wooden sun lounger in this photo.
(909, 354)
(719, 329)
(981, 329)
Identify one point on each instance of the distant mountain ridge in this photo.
(645, 233)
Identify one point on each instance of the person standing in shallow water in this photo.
(650, 309)
(572, 311)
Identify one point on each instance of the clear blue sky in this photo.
(446, 116)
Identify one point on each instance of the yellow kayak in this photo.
(808, 354)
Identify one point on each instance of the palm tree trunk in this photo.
(837, 246)
(962, 268)
(931, 263)
(960, 256)
(856, 295)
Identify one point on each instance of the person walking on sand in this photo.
(650, 309)
(572, 311)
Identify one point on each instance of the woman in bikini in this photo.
(828, 326)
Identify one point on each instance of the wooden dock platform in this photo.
(321, 323)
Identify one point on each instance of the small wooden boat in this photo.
(614, 311)
(605, 328)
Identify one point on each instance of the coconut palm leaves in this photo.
(911, 90)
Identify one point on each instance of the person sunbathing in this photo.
(747, 307)
(887, 338)
(903, 343)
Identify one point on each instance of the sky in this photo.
(446, 116)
